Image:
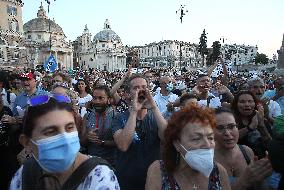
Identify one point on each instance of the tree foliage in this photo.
(215, 53)
(202, 48)
(261, 58)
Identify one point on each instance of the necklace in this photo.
(194, 187)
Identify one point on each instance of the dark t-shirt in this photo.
(103, 122)
(132, 165)
(4, 128)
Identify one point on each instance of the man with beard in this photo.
(271, 108)
(96, 128)
(137, 133)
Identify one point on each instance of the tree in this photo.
(216, 46)
(261, 58)
(202, 48)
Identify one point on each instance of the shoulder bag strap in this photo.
(79, 175)
(244, 152)
(30, 175)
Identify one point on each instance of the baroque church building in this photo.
(104, 52)
(11, 33)
(44, 37)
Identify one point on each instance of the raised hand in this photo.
(260, 114)
(137, 103)
(256, 172)
(149, 103)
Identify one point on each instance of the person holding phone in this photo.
(97, 134)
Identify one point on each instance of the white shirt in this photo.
(5, 101)
(274, 109)
(213, 102)
(84, 100)
(162, 101)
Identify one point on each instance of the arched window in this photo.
(2, 42)
(12, 11)
(13, 25)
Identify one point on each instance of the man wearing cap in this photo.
(30, 89)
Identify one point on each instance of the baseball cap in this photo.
(28, 76)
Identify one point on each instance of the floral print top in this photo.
(100, 178)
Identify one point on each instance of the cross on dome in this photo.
(107, 24)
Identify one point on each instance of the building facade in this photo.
(239, 54)
(11, 33)
(104, 52)
(169, 53)
(44, 37)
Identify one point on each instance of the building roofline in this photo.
(15, 2)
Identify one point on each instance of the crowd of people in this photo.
(159, 129)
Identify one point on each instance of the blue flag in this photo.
(50, 65)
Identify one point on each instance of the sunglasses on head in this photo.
(43, 99)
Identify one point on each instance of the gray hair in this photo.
(254, 80)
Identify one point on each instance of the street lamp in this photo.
(180, 54)
(182, 11)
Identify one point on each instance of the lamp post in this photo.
(182, 12)
(180, 54)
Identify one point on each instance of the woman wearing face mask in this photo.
(244, 172)
(49, 132)
(188, 154)
(249, 117)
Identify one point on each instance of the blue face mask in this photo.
(170, 87)
(56, 154)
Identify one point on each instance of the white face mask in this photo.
(200, 160)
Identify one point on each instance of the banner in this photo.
(50, 65)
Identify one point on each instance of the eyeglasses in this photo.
(229, 127)
(43, 99)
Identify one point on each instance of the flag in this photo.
(50, 65)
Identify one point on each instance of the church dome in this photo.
(42, 23)
(107, 34)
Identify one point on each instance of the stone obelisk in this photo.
(280, 63)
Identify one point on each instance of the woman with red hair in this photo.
(188, 154)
